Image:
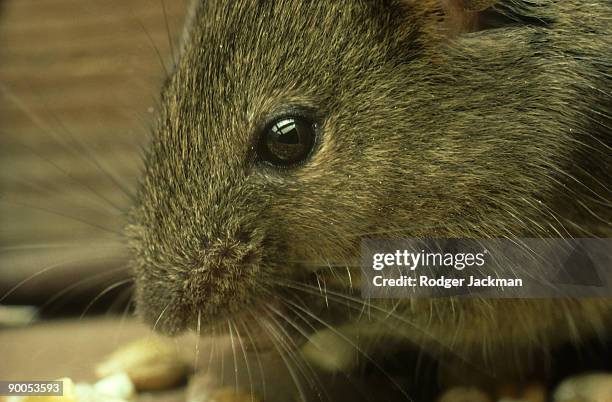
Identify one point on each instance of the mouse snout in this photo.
(197, 254)
(202, 283)
(216, 269)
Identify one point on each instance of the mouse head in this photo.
(290, 130)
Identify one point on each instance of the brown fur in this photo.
(429, 128)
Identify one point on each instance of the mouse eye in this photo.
(287, 141)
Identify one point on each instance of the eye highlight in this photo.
(287, 141)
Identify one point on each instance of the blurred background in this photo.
(79, 83)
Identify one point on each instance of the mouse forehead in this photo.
(247, 53)
(269, 41)
(245, 61)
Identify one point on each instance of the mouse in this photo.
(290, 131)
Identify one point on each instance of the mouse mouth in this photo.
(297, 310)
(265, 310)
(265, 326)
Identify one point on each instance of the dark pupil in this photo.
(288, 141)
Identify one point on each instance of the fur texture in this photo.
(430, 127)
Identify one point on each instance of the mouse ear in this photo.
(465, 15)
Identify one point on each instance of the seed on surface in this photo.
(151, 364)
(464, 394)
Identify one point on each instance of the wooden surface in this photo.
(73, 348)
(79, 81)
(65, 349)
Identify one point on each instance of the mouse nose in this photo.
(219, 269)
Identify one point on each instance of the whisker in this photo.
(151, 41)
(168, 34)
(197, 345)
(354, 345)
(222, 354)
(45, 270)
(45, 127)
(406, 229)
(231, 334)
(302, 365)
(40, 123)
(321, 291)
(67, 289)
(44, 246)
(75, 180)
(315, 344)
(211, 351)
(44, 188)
(125, 294)
(257, 357)
(123, 318)
(353, 302)
(278, 346)
(159, 317)
(82, 147)
(246, 359)
(102, 293)
(310, 370)
(64, 215)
